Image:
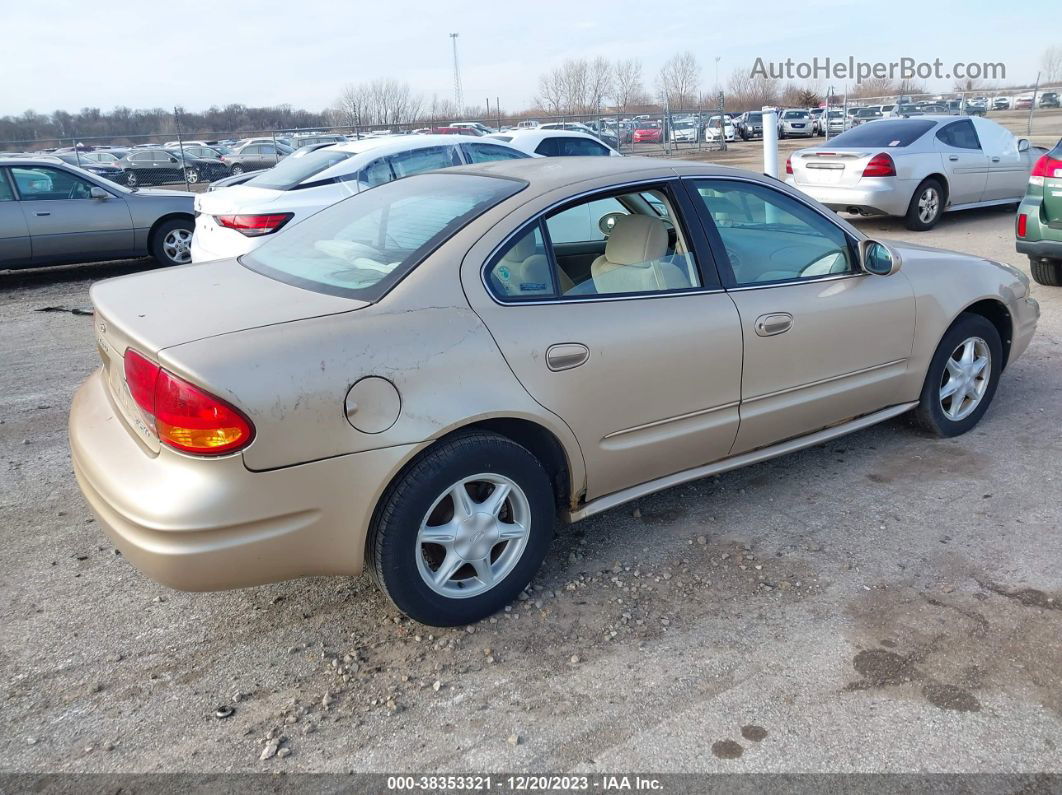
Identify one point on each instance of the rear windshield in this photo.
(885, 132)
(362, 246)
(293, 171)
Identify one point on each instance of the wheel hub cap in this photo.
(473, 535)
(965, 380)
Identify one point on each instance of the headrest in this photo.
(636, 239)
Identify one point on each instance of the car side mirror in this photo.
(878, 258)
(173, 159)
(607, 222)
(98, 193)
(1023, 144)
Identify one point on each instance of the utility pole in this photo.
(457, 77)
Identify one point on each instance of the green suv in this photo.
(1038, 227)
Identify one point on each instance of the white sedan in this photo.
(232, 221)
(556, 143)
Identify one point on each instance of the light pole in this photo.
(717, 73)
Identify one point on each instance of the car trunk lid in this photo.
(237, 199)
(160, 309)
(834, 166)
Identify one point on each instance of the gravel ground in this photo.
(885, 602)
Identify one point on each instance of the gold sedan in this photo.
(422, 378)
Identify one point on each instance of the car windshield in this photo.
(795, 114)
(756, 117)
(864, 112)
(890, 133)
(362, 246)
(293, 171)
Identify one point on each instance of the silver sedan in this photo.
(916, 168)
(52, 213)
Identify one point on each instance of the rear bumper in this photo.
(870, 197)
(200, 524)
(1050, 249)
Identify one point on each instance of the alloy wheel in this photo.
(192, 175)
(177, 246)
(473, 535)
(965, 379)
(928, 205)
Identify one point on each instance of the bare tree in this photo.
(627, 85)
(679, 80)
(1051, 64)
(746, 91)
(875, 87)
(577, 86)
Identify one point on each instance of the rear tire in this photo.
(131, 180)
(237, 170)
(494, 560)
(957, 393)
(1046, 271)
(171, 242)
(926, 207)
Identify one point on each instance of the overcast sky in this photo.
(68, 55)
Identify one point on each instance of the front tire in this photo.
(461, 533)
(191, 175)
(926, 207)
(237, 170)
(132, 180)
(962, 377)
(1046, 271)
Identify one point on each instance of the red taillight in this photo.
(1023, 224)
(141, 376)
(184, 416)
(880, 165)
(254, 225)
(789, 165)
(1047, 166)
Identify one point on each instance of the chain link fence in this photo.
(193, 159)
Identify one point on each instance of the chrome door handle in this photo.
(953, 157)
(566, 355)
(42, 214)
(777, 323)
(995, 159)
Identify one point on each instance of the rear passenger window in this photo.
(617, 245)
(564, 146)
(961, 135)
(427, 159)
(484, 153)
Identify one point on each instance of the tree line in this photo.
(575, 87)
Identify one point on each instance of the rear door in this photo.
(65, 222)
(1008, 174)
(824, 341)
(641, 357)
(964, 161)
(14, 233)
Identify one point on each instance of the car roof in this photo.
(402, 143)
(548, 173)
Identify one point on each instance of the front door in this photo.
(964, 162)
(621, 334)
(1008, 171)
(824, 342)
(65, 221)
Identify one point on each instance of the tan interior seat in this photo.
(528, 272)
(633, 261)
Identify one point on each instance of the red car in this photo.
(1023, 103)
(649, 133)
